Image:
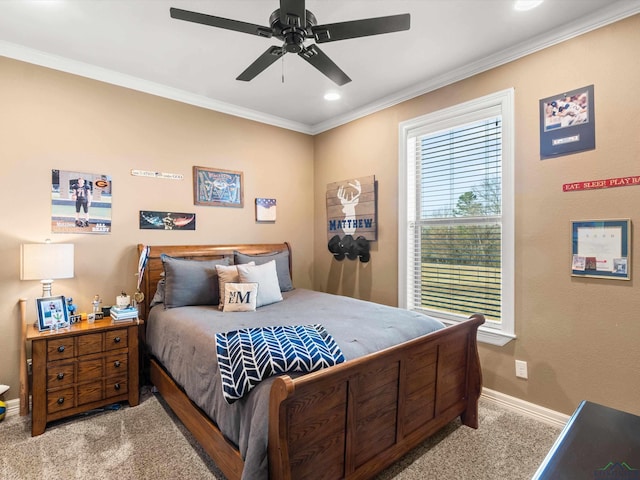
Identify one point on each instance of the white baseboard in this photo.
(13, 406)
(532, 410)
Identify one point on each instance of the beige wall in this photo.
(579, 336)
(52, 120)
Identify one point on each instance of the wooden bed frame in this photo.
(348, 421)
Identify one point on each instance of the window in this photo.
(456, 232)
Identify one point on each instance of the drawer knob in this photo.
(61, 348)
(60, 376)
(60, 400)
(117, 339)
(117, 386)
(116, 363)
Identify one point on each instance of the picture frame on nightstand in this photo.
(52, 312)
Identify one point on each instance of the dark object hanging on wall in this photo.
(350, 248)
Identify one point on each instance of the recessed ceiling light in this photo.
(524, 5)
(332, 96)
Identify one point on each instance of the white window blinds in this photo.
(457, 227)
(456, 214)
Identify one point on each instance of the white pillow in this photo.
(266, 276)
(240, 297)
(226, 273)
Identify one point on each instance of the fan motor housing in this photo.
(293, 34)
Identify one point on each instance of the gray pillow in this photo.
(159, 295)
(191, 282)
(267, 279)
(282, 265)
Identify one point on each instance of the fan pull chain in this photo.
(282, 60)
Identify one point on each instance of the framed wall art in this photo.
(52, 312)
(567, 123)
(217, 187)
(601, 249)
(265, 210)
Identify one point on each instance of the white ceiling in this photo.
(136, 44)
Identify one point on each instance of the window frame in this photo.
(495, 333)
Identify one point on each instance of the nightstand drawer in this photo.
(60, 400)
(89, 392)
(89, 369)
(59, 348)
(115, 387)
(91, 343)
(116, 339)
(116, 364)
(59, 375)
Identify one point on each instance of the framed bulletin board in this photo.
(601, 249)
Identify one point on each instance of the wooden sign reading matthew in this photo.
(352, 208)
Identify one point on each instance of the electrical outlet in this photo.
(521, 369)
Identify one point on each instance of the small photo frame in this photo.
(601, 249)
(52, 312)
(217, 187)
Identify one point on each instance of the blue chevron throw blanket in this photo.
(249, 355)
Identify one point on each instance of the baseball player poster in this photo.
(80, 202)
(567, 123)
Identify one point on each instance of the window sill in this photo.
(494, 337)
(488, 335)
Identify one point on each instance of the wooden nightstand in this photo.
(82, 367)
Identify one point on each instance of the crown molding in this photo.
(36, 57)
(617, 11)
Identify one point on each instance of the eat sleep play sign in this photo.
(607, 183)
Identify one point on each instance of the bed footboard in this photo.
(355, 419)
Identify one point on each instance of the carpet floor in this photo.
(148, 442)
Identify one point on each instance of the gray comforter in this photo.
(183, 340)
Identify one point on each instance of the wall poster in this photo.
(567, 123)
(80, 202)
(152, 220)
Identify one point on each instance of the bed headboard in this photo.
(154, 268)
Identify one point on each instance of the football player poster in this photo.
(80, 202)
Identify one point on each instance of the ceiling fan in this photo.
(293, 24)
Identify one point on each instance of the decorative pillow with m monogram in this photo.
(240, 297)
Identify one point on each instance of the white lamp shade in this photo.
(46, 261)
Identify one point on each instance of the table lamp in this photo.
(46, 262)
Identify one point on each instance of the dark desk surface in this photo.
(597, 443)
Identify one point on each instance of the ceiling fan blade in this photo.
(318, 59)
(262, 62)
(333, 32)
(293, 12)
(220, 22)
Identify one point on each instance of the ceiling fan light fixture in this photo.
(524, 5)
(331, 96)
(293, 25)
